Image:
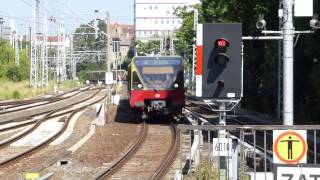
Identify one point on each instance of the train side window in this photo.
(135, 80)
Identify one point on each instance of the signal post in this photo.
(219, 79)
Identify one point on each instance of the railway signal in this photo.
(219, 61)
(221, 50)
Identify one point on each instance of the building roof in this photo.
(123, 31)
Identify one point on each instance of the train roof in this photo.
(157, 58)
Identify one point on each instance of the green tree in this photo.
(8, 69)
(186, 33)
(147, 48)
(24, 65)
(7, 58)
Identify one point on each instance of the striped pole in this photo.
(199, 51)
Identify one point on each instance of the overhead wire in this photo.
(69, 12)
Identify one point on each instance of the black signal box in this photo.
(222, 65)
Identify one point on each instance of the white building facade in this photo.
(155, 18)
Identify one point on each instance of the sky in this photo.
(72, 12)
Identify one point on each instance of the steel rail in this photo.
(130, 152)
(38, 122)
(27, 101)
(51, 139)
(41, 113)
(45, 100)
(171, 155)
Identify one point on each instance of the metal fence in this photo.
(246, 152)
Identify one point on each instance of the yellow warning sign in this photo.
(289, 147)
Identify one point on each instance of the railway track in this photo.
(116, 165)
(28, 114)
(35, 100)
(36, 122)
(147, 151)
(16, 106)
(65, 119)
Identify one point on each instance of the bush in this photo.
(14, 73)
(16, 95)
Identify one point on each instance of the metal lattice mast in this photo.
(73, 61)
(44, 54)
(58, 60)
(62, 51)
(38, 45)
(17, 50)
(33, 39)
(63, 58)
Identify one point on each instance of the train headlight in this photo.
(140, 86)
(175, 85)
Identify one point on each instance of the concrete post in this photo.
(222, 134)
(288, 35)
(234, 159)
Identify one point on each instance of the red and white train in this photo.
(156, 85)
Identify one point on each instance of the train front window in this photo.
(159, 74)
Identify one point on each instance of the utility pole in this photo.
(288, 35)
(108, 52)
(44, 54)
(280, 69)
(16, 48)
(285, 66)
(195, 22)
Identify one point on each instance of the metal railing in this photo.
(250, 155)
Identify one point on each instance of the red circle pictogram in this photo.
(304, 148)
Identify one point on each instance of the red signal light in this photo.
(222, 43)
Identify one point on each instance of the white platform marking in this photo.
(84, 139)
(69, 130)
(41, 134)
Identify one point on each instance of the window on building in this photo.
(156, 21)
(161, 21)
(156, 7)
(150, 7)
(172, 21)
(168, 22)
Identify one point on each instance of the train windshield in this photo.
(159, 74)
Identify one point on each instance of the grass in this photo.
(20, 90)
(201, 172)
